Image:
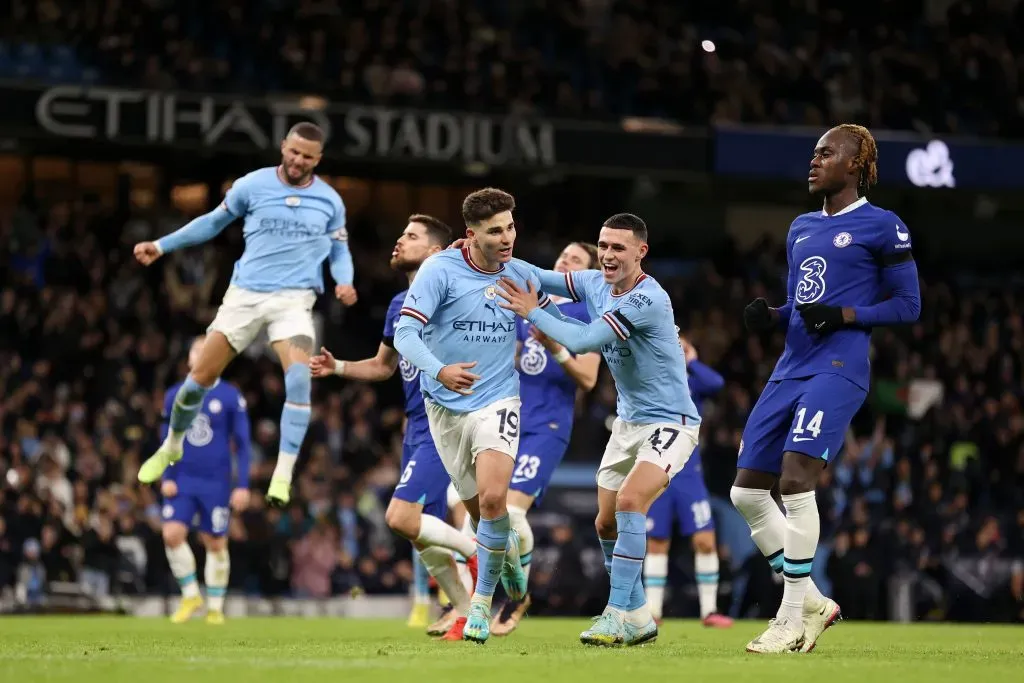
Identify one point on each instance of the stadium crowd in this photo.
(931, 485)
(939, 65)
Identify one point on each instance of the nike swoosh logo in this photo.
(399, 486)
(819, 325)
(519, 480)
(801, 239)
(797, 439)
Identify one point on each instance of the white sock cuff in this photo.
(519, 521)
(656, 564)
(181, 560)
(436, 532)
(453, 497)
(435, 558)
(705, 563)
(743, 496)
(799, 501)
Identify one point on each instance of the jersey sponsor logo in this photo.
(534, 357)
(903, 236)
(291, 228)
(484, 326)
(408, 371)
(843, 239)
(639, 301)
(811, 285)
(200, 432)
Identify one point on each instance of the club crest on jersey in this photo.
(292, 201)
(841, 240)
(490, 292)
(214, 406)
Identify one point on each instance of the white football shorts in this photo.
(668, 445)
(243, 313)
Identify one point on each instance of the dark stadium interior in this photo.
(929, 492)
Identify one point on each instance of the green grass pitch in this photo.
(111, 649)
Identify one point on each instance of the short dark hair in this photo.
(628, 221)
(482, 204)
(438, 231)
(308, 131)
(591, 250)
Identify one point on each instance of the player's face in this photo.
(831, 164)
(495, 236)
(299, 157)
(194, 351)
(412, 248)
(620, 253)
(573, 258)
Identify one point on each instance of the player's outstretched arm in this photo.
(198, 230)
(376, 369)
(340, 259)
(576, 338)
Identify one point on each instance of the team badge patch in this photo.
(292, 201)
(490, 292)
(841, 240)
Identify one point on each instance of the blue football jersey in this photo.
(453, 306)
(636, 334)
(207, 448)
(837, 260)
(547, 392)
(288, 231)
(416, 429)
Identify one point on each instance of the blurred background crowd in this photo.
(927, 501)
(948, 65)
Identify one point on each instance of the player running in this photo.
(293, 221)
(549, 377)
(850, 269)
(453, 330)
(200, 486)
(686, 501)
(657, 425)
(418, 508)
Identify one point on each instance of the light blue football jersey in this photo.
(288, 231)
(455, 305)
(636, 333)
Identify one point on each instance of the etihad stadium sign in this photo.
(246, 125)
(212, 121)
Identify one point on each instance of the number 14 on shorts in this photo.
(813, 426)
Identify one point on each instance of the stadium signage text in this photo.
(210, 121)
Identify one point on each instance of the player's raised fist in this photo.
(457, 377)
(147, 252)
(168, 489)
(346, 294)
(323, 364)
(758, 316)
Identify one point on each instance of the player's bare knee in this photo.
(657, 546)
(606, 526)
(214, 544)
(629, 501)
(402, 521)
(492, 503)
(704, 543)
(174, 534)
(796, 482)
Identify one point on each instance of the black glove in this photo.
(758, 316)
(821, 318)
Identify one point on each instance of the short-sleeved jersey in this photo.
(837, 260)
(288, 231)
(458, 304)
(207, 447)
(548, 393)
(417, 430)
(646, 360)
